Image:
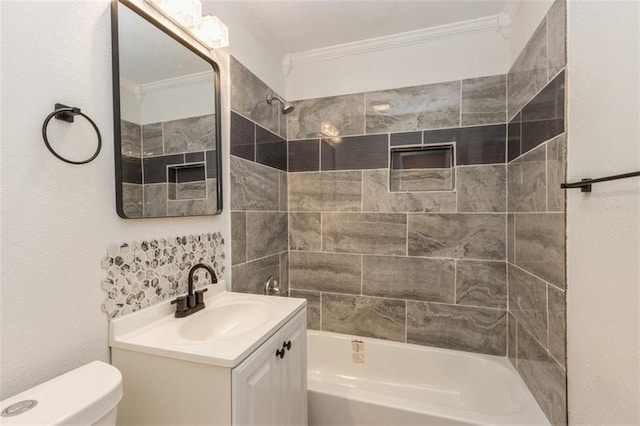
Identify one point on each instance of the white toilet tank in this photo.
(88, 395)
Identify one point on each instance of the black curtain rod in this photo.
(585, 184)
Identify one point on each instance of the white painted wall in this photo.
(434, 61)
(603, 229)
(249, 45)
(525, 20)
(58, 219)
(176, 102)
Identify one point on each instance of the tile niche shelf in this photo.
(422, 168)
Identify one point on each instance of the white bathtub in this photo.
(403, 384)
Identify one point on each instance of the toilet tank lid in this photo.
(81, 396)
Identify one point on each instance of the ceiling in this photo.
(300, 25)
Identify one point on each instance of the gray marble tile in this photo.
(364, 316)
(238, 237)
(132, 200)
(155, 200)
(529, 72)
(526, 182)
(511, 238)
(190, 190)
(305, 232)
(187, 207)
(482, 189)
(472, 236)
(457, 327)
(304, 155)
(313, 306)
(284, 273)
(253, 186)
(152, 140)
(249, 97)
(284, 192)
(211, 203)
(130, 139)
(512, 337)
(481, 284)
(267, 234)
(474, 145)
(557, 33)
(422, 180)
(556, 173)
(557, 324)
(540, 245)
(544, 377)
(330, 117)
(250, 277)
(484, 100)
(366, 233)
(190, 134)
(528, 302)
(325, 191)
(429, 106)
(405, 138)
(338, 273)
(283, 129)
(354, 152)
(377, 198)
(429, 280)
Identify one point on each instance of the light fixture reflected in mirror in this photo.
(210, 31)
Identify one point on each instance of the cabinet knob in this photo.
(286, 345)
(280, 353)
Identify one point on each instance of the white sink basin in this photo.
(231, 319)
(228, 329)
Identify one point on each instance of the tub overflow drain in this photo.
(19, 408)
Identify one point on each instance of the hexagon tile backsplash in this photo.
(146, 273)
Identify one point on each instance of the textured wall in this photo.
(603, 227)
(58, 218)
(536, 214)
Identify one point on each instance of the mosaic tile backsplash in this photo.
(145, 273)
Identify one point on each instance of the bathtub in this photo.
(387, 383)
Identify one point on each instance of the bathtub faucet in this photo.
(271, 286)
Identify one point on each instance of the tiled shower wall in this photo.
(259, 223)
(424, 267)
(536, 215)
(147, 152)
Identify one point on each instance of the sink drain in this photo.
(19, 408)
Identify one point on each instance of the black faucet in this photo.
(193, 301)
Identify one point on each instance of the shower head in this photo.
(287, 107)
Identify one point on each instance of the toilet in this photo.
(88, 395)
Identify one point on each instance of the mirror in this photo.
(166, 120)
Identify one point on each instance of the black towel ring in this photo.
(66, 113)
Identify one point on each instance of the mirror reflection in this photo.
(167, 138)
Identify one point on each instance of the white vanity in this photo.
(240, 361)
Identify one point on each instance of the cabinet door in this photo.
(256, 387)
(293, 372)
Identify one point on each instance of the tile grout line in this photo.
(455, 281)
(361, 274)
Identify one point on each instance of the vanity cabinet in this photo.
(263, 389)
(270, 387)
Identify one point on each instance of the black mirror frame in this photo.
(115, 67)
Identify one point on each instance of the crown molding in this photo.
(205, 77)
(489, 23)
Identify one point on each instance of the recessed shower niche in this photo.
(422, 168)
(167, 129)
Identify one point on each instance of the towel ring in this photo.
(66, 113)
